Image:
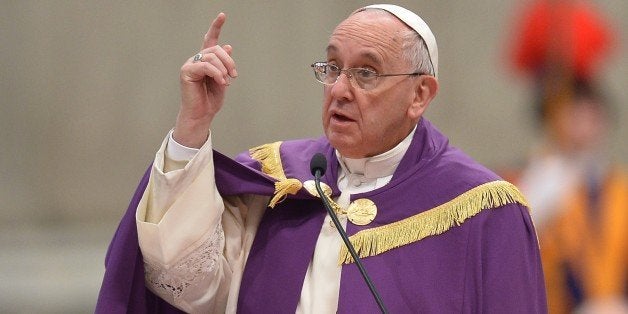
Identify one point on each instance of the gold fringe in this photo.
(374, 241)
(283, 188)
(268, 155)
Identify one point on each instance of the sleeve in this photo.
(180, 233)
(504, 273)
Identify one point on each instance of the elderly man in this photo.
(438, 233)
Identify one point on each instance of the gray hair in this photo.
(414, 49)
(416, 54)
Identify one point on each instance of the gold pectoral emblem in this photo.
(361, 211)
(310, 186)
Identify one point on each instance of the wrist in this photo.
(191, 134)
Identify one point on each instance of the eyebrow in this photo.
(365, 54)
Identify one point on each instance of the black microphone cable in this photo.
(318, 165)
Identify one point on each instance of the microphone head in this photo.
(318, 162)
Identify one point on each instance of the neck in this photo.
(380, 165)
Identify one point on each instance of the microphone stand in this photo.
(345, 238)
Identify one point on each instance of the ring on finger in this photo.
(198, 57)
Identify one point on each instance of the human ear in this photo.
(425, 90)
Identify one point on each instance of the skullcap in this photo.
(416, 23)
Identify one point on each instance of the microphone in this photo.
(318, 165)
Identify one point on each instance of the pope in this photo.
(436, 231)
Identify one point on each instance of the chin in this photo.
(341, 143)
(349, 150)
(348, 144)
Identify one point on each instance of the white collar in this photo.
(378, 166)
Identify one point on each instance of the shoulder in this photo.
(433, 160)
(278, 158)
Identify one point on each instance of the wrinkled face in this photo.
(363, 123)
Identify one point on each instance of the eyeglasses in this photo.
(366, 79)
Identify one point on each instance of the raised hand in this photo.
(204, 79)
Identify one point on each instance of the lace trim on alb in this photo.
(191, 269)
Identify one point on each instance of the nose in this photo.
(343, 88)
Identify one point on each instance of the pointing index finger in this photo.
(211, 38)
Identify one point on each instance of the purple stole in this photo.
(426, 275)
(438, 274)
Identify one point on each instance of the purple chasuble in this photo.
(488, 264)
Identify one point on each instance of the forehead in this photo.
(370, 34)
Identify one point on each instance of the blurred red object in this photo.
(564, 34)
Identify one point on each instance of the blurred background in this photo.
(90, 88)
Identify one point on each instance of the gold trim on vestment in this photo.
(269, 156)
(374, 241)
(310, 187)
(282, 189)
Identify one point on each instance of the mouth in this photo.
(340, 118)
